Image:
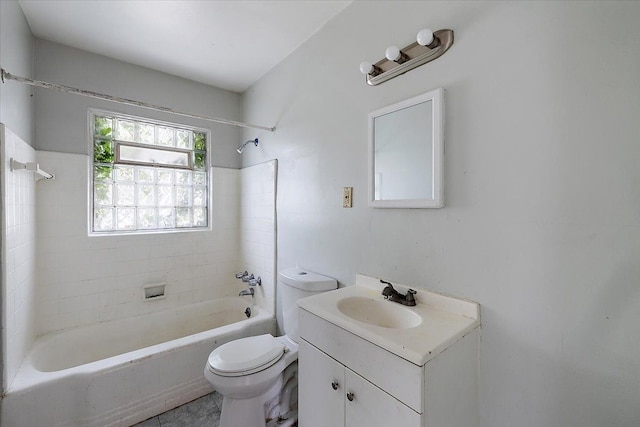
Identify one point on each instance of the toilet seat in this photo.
(246, 356)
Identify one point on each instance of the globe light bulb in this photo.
(425, 37)
(392, 53)
(366, 67)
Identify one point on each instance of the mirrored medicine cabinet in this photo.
(406, 153)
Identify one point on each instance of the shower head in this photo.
(241, 148)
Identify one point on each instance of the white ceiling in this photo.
(227, 44)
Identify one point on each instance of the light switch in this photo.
(347, 193)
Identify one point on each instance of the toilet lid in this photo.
(246, 354)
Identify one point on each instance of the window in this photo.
(147, 176)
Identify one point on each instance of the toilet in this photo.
(256, 375)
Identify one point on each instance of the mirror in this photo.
(406, 153)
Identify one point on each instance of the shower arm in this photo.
(240, 149)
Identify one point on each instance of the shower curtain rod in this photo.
(68, 89)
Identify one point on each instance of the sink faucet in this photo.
(249, 291)
(392, 295)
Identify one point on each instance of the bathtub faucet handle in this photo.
(248, 278)
(254, 282)
(241, 275)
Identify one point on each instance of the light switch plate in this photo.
(347, 197)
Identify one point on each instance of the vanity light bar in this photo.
(429, 46)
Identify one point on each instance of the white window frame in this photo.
(118, 157)
(92, 113)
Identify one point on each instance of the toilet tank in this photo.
(296, 283)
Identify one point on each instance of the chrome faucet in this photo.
(392, 295)
(249, 291)
(250, 280)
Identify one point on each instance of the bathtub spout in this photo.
(249, 291)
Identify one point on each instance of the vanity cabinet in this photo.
(338, 397)
(347, 380)
(321, 381)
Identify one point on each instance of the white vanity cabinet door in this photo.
(371, 407)
(320, 387)
(332, 395)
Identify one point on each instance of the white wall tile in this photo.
(257, 213)
(107, 273)
(18, 252)
(82, 279)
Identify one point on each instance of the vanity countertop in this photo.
(444, 319)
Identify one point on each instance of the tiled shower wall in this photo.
(87, 279)
(18, 253)
(258, 227)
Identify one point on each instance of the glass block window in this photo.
(147, 176)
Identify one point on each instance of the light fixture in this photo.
(396, 55)
(251, 141)
(428, 46)
(369, 68)
(426, 38)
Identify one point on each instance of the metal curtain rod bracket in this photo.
(15, 165)
(68, 89)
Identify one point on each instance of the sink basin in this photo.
(416, 334)
(385, 314)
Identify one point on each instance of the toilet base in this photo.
(249, 412)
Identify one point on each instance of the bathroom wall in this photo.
(258, 185)
(87, 279)
(99, 278)
(16, 113)
(16, 57)
(18, 252)
(91, 279)
(542, 217)
(61, 124)
(82, 279)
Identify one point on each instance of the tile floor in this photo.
(203, 412)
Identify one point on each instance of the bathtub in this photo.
(122, 372)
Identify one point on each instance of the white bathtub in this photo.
(123, 372)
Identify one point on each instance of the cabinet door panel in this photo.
(319, 405)
(372, 407)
